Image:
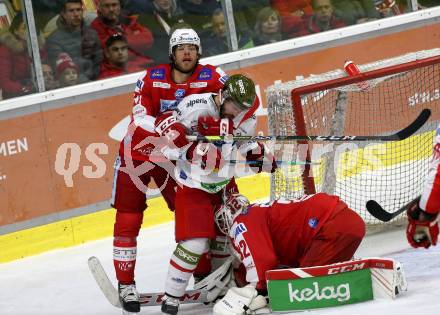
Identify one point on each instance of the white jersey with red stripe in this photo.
(192, 175)
(430, 200)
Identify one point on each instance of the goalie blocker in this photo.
(336, 284)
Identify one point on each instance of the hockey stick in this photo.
(258, 163)
(376, 210)
(401, 135)
(146, 299)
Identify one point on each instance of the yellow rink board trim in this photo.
(94, 226)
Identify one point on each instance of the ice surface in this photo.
(59, 282)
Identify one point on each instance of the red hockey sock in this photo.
(124, 258)
(204, 266)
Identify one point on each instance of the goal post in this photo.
(383, 98)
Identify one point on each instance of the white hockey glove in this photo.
(238, 300)
(218, 282)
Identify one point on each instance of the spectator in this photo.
(387, 8)
(116, 57)
(355, 11)
(323, 19)
(137, 7)
(110, 21)
(50, 83)
(216, 41)
(15, 64)
(292, 7)
(45, 10)
(245, 13)
(199, 12)
(67, 71)
(165, 14)
(267, 27)
(76, 39)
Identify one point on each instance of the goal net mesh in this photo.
(394, 91)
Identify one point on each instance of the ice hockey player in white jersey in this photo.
(203, 172)
(423, 229)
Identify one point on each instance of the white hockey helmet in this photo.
(184, 36)
(231, 208)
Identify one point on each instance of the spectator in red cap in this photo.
(67, 71)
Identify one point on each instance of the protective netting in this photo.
(391, 173)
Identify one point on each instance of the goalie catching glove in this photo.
(422, 229)
(238, 301)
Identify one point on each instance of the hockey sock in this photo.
(124, 258)
(183, 263)
(219, 251)
(126, 230)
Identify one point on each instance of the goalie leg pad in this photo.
(217, 283)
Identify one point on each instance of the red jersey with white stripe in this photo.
(430, 201)
(278, 233)
(155, 93)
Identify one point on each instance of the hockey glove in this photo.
(261, 159)
(422, 229)
(210, 126)
(205, 154)
(238, 300)
(167, 126)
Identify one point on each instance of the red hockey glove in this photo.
(167, 126)
(422, 229)
(206, 154)
(210, 126)
(260, 158)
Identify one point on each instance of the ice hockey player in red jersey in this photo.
(423, 229)
(203, 171)
(315, 230)
(159, 89)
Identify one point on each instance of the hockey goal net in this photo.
(384, 98)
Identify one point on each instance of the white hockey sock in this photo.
(182, 264)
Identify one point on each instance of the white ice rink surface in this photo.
(59, 282)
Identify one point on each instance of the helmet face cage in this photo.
(232, 207)
(241, 90)
(183, 36)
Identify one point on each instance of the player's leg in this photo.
(218, 252)
(337, 240)
(166, 183)
(130, 203)
(194, 220)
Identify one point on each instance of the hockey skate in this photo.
(129, 298)
(170, 305)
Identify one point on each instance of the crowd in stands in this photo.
(86, 40)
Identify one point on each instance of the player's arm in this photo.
(257, 255)
(168, 126)
(144, 111)
(423, 229)
(255, 250)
